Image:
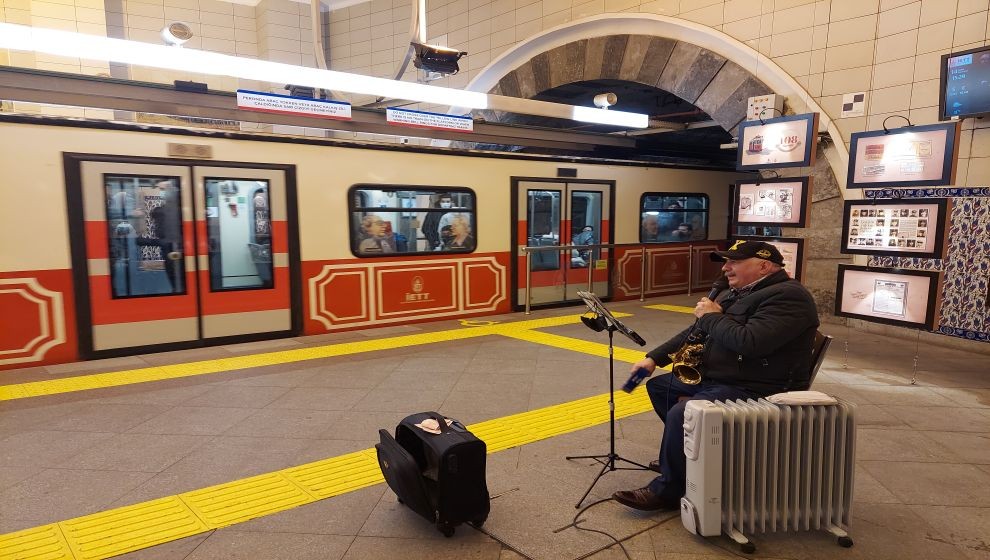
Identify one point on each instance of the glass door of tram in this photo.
(177, 255)
(555, 213)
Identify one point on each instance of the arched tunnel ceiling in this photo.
(695, 97)
(659, 144)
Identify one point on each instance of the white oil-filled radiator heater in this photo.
(755, 466)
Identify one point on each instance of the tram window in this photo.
(387, 219)
(673, 217)
(238, 234)
(144, 230)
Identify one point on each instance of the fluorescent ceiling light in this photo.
(93, 47)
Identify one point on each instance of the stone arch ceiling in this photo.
(717, 86)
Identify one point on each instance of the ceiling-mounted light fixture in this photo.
(93, 47)
(433, 58)
(176, 33)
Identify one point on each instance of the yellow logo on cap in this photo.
(736, 245)
(763, 254)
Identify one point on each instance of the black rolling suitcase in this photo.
(439, 476)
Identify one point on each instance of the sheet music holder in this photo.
(596, 306)
(604, 320)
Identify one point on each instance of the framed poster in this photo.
(913, 156)
(895, 296)
(782, 142)
(895, 227)
(791, 248)
(773, 202)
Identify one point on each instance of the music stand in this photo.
(606, 321)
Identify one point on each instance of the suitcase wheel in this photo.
(446, 529)
(478, 522)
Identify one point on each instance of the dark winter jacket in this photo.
(761, 341)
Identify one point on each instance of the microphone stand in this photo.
(606, 321)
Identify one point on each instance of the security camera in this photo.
(433, 58)
(606, 100)
(176, 33)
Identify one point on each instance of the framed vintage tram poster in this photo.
(782, 142)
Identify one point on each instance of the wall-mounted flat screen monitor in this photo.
(773, 202)
(895, 227)
(965, 85)
(895, 296)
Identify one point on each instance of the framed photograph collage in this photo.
(773, 202)
(895, 227)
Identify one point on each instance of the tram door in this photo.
(179, 255)
(555, 213)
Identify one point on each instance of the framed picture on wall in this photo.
(894, 296)
(791, 248)
(773, 202)
(896, 227)
(913, 156)
(782, 142)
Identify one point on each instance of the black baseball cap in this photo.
(742, 249)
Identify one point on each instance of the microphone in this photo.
(719, 285)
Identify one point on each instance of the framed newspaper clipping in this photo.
(782, 142)
(773, 202)
(791, 248)
(895, 296)
(895, 227)
(913, 156)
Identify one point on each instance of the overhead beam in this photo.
(37, 86)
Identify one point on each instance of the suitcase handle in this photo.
(441, 421)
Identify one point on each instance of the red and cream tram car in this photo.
(118, 239)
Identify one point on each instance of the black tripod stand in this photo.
(604, 320)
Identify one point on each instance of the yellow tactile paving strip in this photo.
(126, 529)
(175, 371)
(666, 307)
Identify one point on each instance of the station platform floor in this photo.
(265, 450)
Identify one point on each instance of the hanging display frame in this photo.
(791, 248)
(896, 227)
(912, 156)
(893, 296)
(772, 200)
(789, 141)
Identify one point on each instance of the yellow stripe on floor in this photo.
(126, 529)
(176, 371)
(666, 307)
(576, 345)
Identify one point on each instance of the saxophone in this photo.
(687, 360)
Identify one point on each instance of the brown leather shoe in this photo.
(644, 499)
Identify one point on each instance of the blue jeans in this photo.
(664, 390)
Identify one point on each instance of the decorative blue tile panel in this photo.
(966, 265)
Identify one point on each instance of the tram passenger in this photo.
(580, 258)
(431, 223)
(165, 232)
(460, 234)
(650, 229)
(376, 238)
